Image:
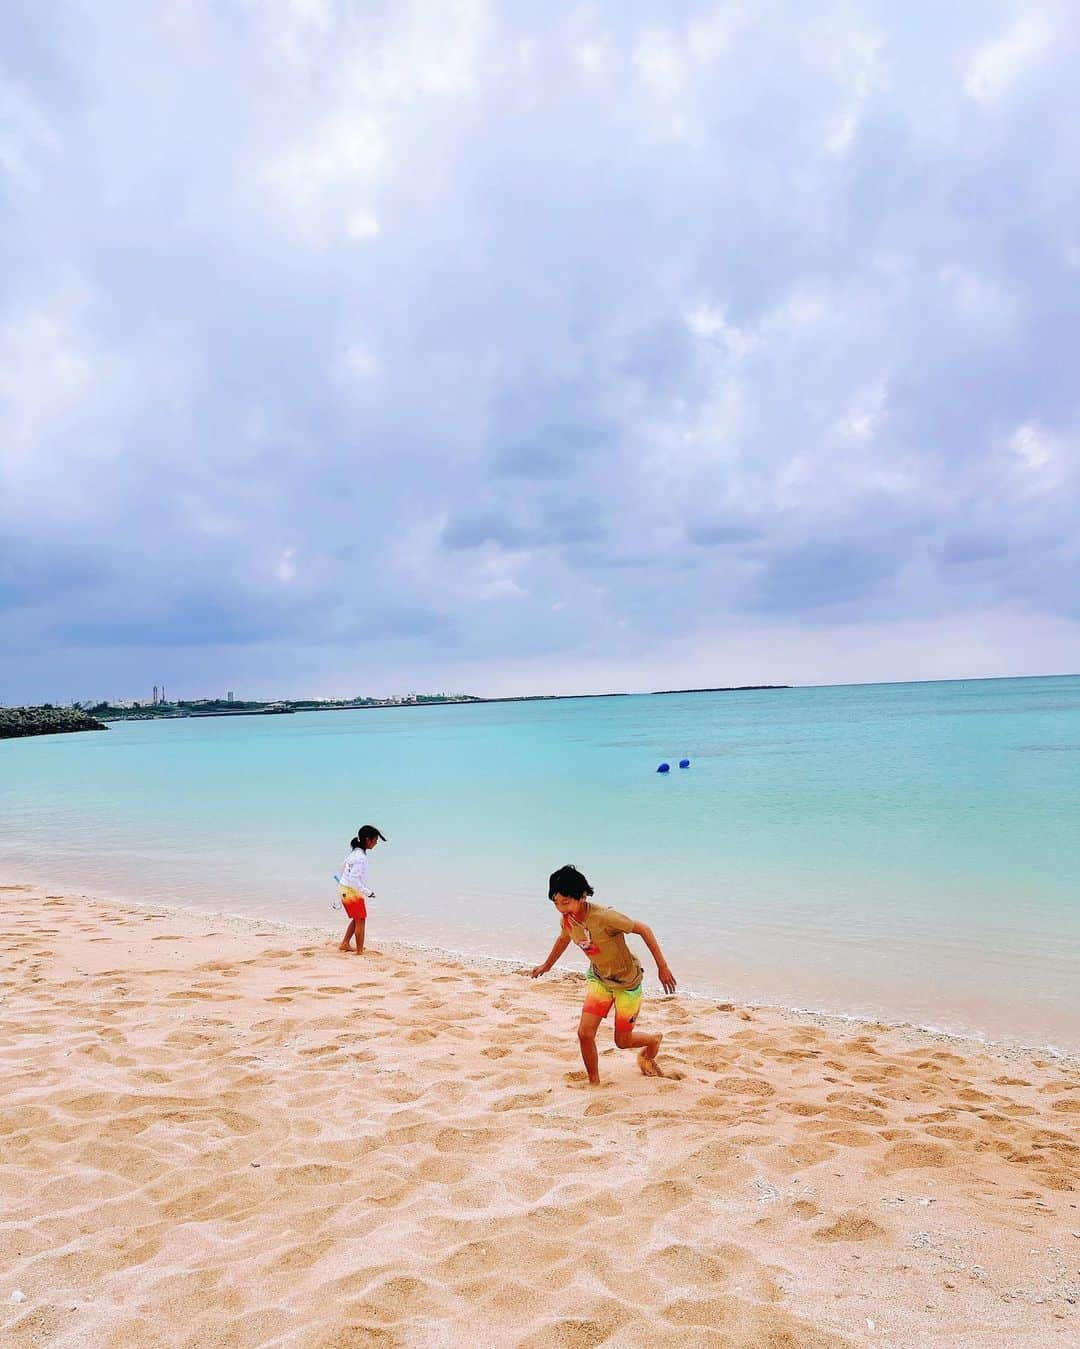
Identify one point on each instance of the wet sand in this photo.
(223, 1133)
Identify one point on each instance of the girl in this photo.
(354, 884)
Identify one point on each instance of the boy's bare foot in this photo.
(344, 946)
(647, 1059)
(580, 1079)
(648, 1066)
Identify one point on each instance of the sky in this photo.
(361, 348)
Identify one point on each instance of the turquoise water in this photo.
(908, 850)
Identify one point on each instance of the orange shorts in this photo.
(354, 904)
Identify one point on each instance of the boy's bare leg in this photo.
(348, 935)
(360, 925)
(649, 1045)
(586, 1034)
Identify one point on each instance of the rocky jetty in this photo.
(18, 721)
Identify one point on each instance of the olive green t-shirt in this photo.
(600, 936)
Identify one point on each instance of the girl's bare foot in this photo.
(344, 946)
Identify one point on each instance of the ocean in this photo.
(892, 851)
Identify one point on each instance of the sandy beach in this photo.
(223, 1133)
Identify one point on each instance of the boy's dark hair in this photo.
(366, 836)
(568, 881)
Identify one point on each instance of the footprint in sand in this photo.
(524, 1101)
(850, 1227)
(909, 1156)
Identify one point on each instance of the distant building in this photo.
(155, 695)
(228, 696)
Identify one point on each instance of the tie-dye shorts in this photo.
(601, 997)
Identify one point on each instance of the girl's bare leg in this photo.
(360, 925)
(348, 935)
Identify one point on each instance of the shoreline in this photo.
(478, 960)
(509, 965)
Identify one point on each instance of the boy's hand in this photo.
(538, 971)
(667, 979)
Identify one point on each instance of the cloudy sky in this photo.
(505, 347)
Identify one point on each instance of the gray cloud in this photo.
(385, 338)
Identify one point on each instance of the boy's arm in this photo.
(562, 941)
(667, 979)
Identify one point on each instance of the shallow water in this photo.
(909, 851)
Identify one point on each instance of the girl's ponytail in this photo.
(366, 836)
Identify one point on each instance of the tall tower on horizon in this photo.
(155, 695)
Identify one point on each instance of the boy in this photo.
(614, 972)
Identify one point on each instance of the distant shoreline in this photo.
(107, 713)
(177, 712)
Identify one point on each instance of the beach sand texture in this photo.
(214, 1133)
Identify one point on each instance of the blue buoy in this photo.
(664, 768)
(684, 763)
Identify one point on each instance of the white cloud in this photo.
(805, 307)
(864, 416)
(317, 12)
(592, 57)
(353, 81)
(25, 134)
(854, 58)
(1044, 462)
(285, 570)
(362, 225)
(978, 298)
(1040, 466)
(711, 35)
(431, 50)
(668, 60)
(1031, 446)
(344, 151)
(46, 378)
(359, 362)
(708, 322)
(659, 63)
(997, 66)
